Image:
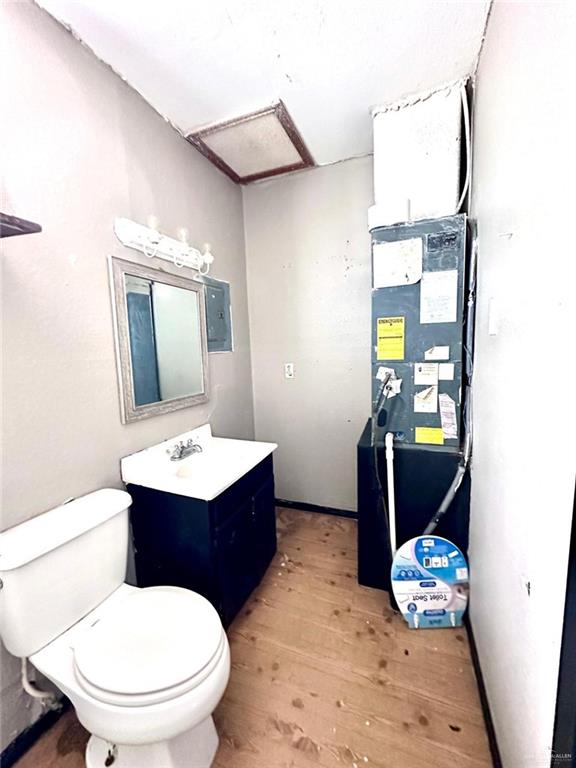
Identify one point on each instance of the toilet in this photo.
(143, 668)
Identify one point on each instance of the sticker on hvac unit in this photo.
(397, 263)
(448, 417)
(437, 353)
(390, 336)
(439, 297)
(426, 401)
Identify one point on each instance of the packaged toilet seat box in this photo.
(430, 582)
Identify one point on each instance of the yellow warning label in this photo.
(390, 338)
(430, 435)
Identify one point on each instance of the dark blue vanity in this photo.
(219, 548)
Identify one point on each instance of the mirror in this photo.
(160, 340)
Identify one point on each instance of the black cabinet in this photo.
(422, 475)
(235, 560)
(265, 526)
(219, 548)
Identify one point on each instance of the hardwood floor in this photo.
(325, 674)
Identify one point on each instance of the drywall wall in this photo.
(79, 148)
(308, 260)
(524, 415)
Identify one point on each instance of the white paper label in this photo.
(437, 353)
(394, 385)
(426, 401)
(446, 371)
(439, 297)
(382, 372)
(398, 263)
(448, 416)
(426, 374)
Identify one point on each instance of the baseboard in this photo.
(26, 740)
(490, 730)
(316, 508)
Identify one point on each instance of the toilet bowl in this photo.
(143, 668)
(144, 671)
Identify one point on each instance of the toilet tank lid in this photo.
(35, 537)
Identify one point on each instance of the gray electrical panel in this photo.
(218, 315)
(418, 313)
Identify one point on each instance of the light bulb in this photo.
(152, 222)
(206, 253)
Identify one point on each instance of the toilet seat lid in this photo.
(156, 639)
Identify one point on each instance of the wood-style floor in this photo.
(325, 674)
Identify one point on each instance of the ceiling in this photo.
(329, 61)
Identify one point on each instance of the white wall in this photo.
(79, 147)
(524, 414)
(308, 258)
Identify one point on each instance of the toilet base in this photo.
(195, 748)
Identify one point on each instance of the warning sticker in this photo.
(430, 435)
(390, 338)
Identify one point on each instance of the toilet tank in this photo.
(58, 566)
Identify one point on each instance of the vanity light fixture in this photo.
(153, 244)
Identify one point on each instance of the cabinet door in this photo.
(264, 526)
(172, 541)
(236, 560)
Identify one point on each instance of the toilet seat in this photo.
(159, 643)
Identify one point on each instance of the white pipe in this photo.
(47, 697)
(389, 442)
(468, 139)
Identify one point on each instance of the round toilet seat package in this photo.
(430, 582)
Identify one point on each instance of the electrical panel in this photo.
(218, 315)
(418, 310)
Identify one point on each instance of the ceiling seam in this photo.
(483, 40)
(71, 31)
(417, 98)
(316, 167)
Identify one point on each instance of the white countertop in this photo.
(204, 475)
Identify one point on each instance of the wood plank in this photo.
(63, 746)
(326, 673)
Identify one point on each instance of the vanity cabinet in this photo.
(219, 548)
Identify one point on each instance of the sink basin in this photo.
(187, 470)
(202, 475)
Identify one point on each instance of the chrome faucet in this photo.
(181, 450)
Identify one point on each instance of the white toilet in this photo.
(144, 668)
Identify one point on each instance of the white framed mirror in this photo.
(161, 341)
